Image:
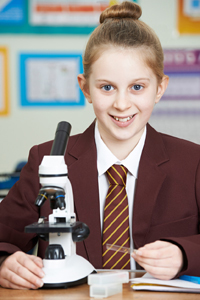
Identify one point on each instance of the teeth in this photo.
(123, 119)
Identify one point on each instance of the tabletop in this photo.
(82, 292)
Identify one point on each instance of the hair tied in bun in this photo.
(126, 9)
(121, 27)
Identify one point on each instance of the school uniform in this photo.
(105, 159)
(166, 197)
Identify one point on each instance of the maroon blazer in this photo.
(166, 203)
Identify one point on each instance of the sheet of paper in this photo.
(147, 282)
(52, 79)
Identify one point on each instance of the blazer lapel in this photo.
(150, 180)
(83, 174)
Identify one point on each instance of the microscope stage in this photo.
(47, 227)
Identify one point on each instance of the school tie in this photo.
(116, 220)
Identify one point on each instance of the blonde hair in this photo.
(120, 26)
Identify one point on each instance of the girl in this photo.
(123, 79)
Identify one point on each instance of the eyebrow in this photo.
(138, 79)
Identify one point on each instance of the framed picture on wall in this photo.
(50, 79)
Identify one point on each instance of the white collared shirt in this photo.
(105, 159)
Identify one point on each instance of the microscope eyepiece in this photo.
(61, 138)
(56, 194)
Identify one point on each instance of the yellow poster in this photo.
(4, 108)
(189, 16)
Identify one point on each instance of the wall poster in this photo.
(183, 92)
(11, 12)
(50, 79)
(68, 12)
(189, 16)
(4, 107)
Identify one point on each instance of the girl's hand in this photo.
(162, 260)
(21, 271)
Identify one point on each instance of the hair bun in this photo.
(126, 9)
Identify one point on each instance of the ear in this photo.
(162, 88)
(84, 87)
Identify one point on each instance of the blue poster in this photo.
(11, 12)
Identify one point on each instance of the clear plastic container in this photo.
(105, 290)
(109, 277)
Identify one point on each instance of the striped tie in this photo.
(116, 220)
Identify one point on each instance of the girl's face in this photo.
(123, 91)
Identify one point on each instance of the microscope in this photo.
(62, 266)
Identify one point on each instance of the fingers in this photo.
(162, 260)
(37, 260)
(21, 271)
(156, 251)
(7, 284)
(157, 245)
(13, 281)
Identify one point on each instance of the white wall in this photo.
(25, 127)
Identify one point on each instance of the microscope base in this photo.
(63, 273)
(64, 285)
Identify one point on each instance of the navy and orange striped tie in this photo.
(116, 220)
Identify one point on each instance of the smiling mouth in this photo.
(123, 119)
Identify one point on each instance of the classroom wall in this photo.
(25, 127)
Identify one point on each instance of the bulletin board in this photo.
(50, 79)
(189, 16)
(4, 106)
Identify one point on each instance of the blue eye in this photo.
(137, 87)
(107, 87)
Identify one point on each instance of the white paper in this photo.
(52, 80)
(174, 285)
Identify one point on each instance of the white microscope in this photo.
(62, 266)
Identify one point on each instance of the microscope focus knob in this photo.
(54, 251)
(80, 233)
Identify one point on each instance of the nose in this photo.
(122, 101)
